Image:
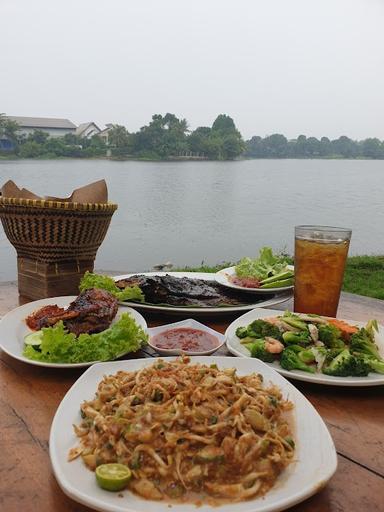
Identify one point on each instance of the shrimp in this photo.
(273, 346)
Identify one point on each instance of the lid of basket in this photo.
(96, 192)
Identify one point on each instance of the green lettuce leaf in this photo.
(266, 265)
(60, 346)
(90, 280)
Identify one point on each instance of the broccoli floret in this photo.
(257, 350)
(307, 356)
(242, 332)
(371, 327)
(260, 329)
(376, 365)
(332, 353)
(330, 336)
(301, 338)
(345, 365)
(294, 321)
(361, 367)
(248, 340)
(290, 361)
(339, 366)
(295, 348)
(362, 343)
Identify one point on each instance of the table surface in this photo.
(30, 396)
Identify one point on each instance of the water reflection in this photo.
(212, 211)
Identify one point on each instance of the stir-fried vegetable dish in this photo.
(312, 343)
(188, 432)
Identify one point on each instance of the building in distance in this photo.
(53, 126)
(104, 134)
(87, 130)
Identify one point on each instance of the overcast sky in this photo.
(276, 66)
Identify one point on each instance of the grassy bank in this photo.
(364, 275)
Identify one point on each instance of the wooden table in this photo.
(30, 396)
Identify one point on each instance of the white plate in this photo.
(13, 329)
(223, 277)
(314, 467)
(185, 323)
(277, 298)
(236, 348)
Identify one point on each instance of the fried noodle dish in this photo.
(188, 432)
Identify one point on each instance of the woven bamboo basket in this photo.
(56, 242)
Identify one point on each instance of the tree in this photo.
(254, 147)
(325, 147)
(31, 149)
(372, 148)
(232, 147)
(224, 124)
(313, 146)
(344, 146)
(300, 149)
(8, 129)
(118, 136)
(213, 148)
(164, 136)
(232, 144)
(38, 136)
(73, 139)
(275, 146)
(56, 146)
(197, 140)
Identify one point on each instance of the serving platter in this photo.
(236, 348)
(303, 478)
(223, 277)
(262, 300)
(13, 329)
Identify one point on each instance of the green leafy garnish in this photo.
(90, 280)
(60, 346)
(265, 267)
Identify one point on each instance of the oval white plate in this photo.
(223, 277)
(13, 329)
(185, 323)
(277, 298)
(314, 467)
(236, 348)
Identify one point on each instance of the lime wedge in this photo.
(113, 477)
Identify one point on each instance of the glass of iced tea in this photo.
(320, 256)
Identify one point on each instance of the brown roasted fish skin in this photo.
(92, 311)
(185, 291)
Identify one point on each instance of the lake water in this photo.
(189, 212)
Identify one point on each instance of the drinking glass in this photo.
(320, 256)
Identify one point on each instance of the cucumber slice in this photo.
(278, 284)
(34, 338)
(287, 274)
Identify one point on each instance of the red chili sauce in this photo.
(186, 339)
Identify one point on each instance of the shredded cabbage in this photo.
(60, 346)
